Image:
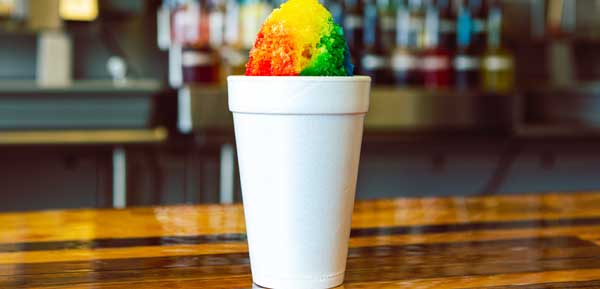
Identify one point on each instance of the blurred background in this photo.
(114, 103)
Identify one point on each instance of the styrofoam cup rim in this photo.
(299, 94)
(355, 78)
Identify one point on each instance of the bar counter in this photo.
(519, 241)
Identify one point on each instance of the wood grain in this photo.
(190, 220)
(239, 237)
(523, 241)
(593, 284)
(376, 264)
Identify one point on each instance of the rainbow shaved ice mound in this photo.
(300, 38)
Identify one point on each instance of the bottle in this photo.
(276, 3)
(497, 68)
(435, 60)
(191, 30)
(163, 25)
(447, 24)
(386, 14)
(336, 7)
(216, 40)
(216, 23)
(374, 60)
(252, 14)
(353, 29)
(478, 10)
(416, 10)
(404, 60)
(234, 56)
(466, 61)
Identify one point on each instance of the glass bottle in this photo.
(466, 62)
(416, 10)
(447, 24)
(386, 14)
(252, 14)
(216, 14)
(353, 29)
(191, 30)
(435, 60)
(374, 60)
(404, 60)
(497, 68)
(478, 10)
(234, 56)
(336, 7)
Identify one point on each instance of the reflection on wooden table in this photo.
(525, 241)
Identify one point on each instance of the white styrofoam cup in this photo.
(298, 142)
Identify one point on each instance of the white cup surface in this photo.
(298, 141)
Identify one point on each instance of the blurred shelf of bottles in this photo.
(209, 39)
(417, 43)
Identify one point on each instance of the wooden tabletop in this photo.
(526, 241)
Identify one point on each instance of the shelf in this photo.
(201, 108)
(551, 112)
(410, 113)
(554, 131)
(84, 137)
(78, 86)
(431, 110)
(83, 105)
(391, 108)
(17, 30)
